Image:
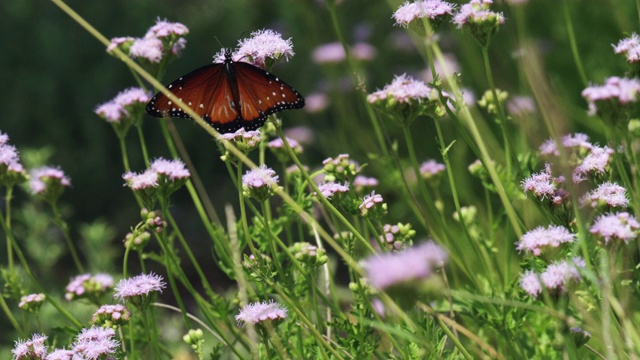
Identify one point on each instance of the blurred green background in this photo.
(54, 74)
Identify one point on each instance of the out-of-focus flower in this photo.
(372, 205)
(31, 349)
(479, 19)
(539, 238)
(430, 169)
(520, 106)
(630, 47)
(596, 163)
(32, 302)
(87, 286)
(609, 194)
(412, 13)
(620, 226)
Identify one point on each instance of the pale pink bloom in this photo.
(530, 283)
(630, 47)
(251, 137)
(363, 51)
(4, 138)
(259, 312)
(141, 285)
(279, 144)
(46, 175)
(328, 53)
(611, 194)
(535, 240)
(577, 140)
(149, 48)
(557, 275)
(328, 189)
(164, 28)
(370, 201)
(30, 349)
(301, 134)
(620, 226)
(403, 88)
(622, 90)
(260, 177)
(316, 102)
(519, 106)
(172, 169)
(145, 180)
(362, 181)
(117, 41)
(431, 168)
(597, 162)
(263, 44)
(95, 343)
(414, 263)
(542, 184)
(30, 299)
(117, 108)
(60, 354)
(113, 312)
(81, 284)
(421, 9)
(477, 12)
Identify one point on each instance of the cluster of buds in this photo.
(396, 237)
(32, 302)
(111, 316)
(309, 254)
(340, 168)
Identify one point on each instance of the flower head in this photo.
(32, 302)
(477, 16)
(278, 147)
(60, 354)
(609, 100)
(148, 48)
(145, 180)
(557, 275)
(316, 102)
(609, 194)
(630, 47)
(48, 182)
(30, 349)
(398, 236)
(595, 163)
(164, 28)
(309, 254)
(530, 283)
(535, 240)
(434, 10)
(11, 170)
(406, 98)
(372, 204)
(126, 105)
(260, 182)
(328, 189)
(430, 169)
(124, 43)
(139, 290)
(520, 106)
(257, 313)
(619, 226)
(173, 170)
(415, 263)
(243, 140)
(362, 182)
(95, 343)
(543, 185)
(87, 286)
(111, 315)
(340, 168)
(577, 142)
(263, 45)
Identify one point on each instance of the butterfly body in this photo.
(229, 95)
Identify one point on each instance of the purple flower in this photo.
(431, 9)
(31, 302)
(596, 162)
(630, 47)
(110, 315)
(577, 140)
(477, 13)
(339, 168)
(361, 182)
(259, 177)
(149, 48)
(172, 169)
(117, 41)
(403, 89)
(520, 106)
(530, 283)
(619, 90)
(259, 312)
(362, 51)
(369, 202)
(397, 236)
(557, 275)
(430, 169)
(121, 106)
(11, 170)
(164, 28)
(328, 189)
(316, 102)
(262, 45)
(415, 263)
(328, 53)
(535, 240)
(4, 138)
(60, 354)
(48, 182)
(611, 194)
(95, 343)
(143, 285)
(30, 349)
(278, 144)
(542, 184)
(242, 139)
(88, 286)
(620, 226)
(142, 181)
(301, 134)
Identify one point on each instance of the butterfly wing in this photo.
(206, 91)
(262, 94)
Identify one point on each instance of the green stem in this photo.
(143, 145)
(271, 238)
(123, 151)
(572, 42)
(65, 233)
(7, 203)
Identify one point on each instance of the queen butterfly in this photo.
(229, 95)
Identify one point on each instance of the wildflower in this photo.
(406, 98)
(60, 354)
(309, 254)
(609, 194)
(243, 140)
(619, 226)
(95, 343)
(577, 141)
(11, 170)
(172, 170)
(530, 283)
(609, 100)
(543, 184)
(361, 182)
(111, 315)
(520, 106)
(340, 168)
(415, 263)
(260, 312)
(482, 22)
(128, 104)
(164, 28)
(557, 275)
(148, 48)
(278, 147)
(328, 53)
(316, 102)
(137, 240)
(260, 182)
(369, 205)
(596, 162)
(535, 240)
(397, 236)
(87, 286)
(32, 302)
(630, 47)
(30, 349)
(142, 181)
(261, 46)
(139, 290)
(430, 169)
(48, 182)
(301, 134)
(434, 10)
(124, 43)
(362, 51)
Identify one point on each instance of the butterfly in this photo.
(229, 95)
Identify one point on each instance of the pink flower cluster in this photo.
(260, 312)
(557, 277)
(160, 171)
(119, 108)
(162, 39)
(430, 9)
(260, 46)
(328, 189)
(539, 238)
(620, 226)
(630, 47)
(403, 88)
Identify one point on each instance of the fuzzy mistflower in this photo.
(328, 53)
(260, 182)
(260, 46)
(148, 48)
(328, 189)
(242, 139)
(539, 238)
(316, 102)
(619, 226)
(558, 275)
(542, 185)
(126, 102)
(277, 146)
(340, 168)
(32, 302)
(530, 283)
(597, 163)
(402, 89)
(362, 182)
(477, 16)
(260, 312)
(415, 263)
(95, 343)
(630, 47)
(142, 286)
(11, 170)
(434, 10)
(606, 100)
(171, 169)
(33, 348)
(111, 315)
(577, 141)
(48, 181)
(372, 203)
(60, 354)
(431, 168)
(88, 286)
(141, 181)
(519, 106)
(164, 28)
(118, 41)
(609, 194)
